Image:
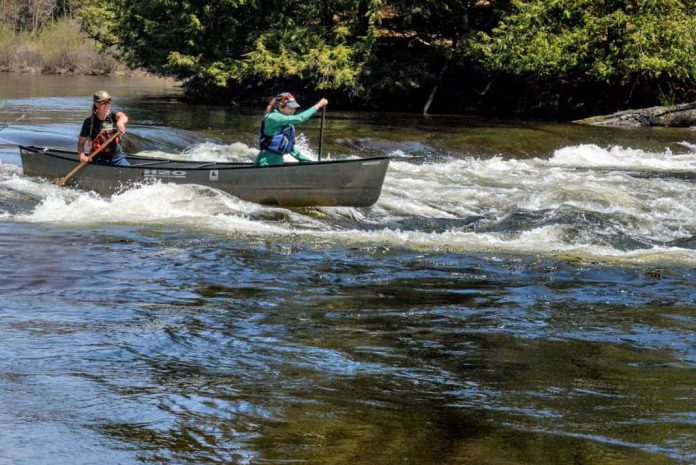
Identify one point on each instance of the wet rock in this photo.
(683, 115)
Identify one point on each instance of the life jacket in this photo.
(101, 138)
(281, 143)
(104, 134)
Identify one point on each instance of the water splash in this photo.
(568, 205)
(593, 156)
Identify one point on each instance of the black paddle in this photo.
(321, 131)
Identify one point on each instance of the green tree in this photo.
(421, 43)
(617, 42)
(361, 49)
(234, 44)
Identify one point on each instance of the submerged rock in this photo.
(682, 115)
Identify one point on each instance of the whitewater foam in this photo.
(567, 204)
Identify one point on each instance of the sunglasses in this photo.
(104, 102)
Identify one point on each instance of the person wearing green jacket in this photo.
(277, 133)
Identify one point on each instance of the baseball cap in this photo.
(288, 100)
(100, 96)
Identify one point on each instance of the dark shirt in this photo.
(108, 125)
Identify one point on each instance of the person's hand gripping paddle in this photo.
(62, 181)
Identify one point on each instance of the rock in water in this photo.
(682, 115)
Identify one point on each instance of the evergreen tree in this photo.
(620, 43)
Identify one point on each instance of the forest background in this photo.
(541, 58)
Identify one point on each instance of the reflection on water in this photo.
(488, 309)
(174, 349)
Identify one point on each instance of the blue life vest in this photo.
(281, 143)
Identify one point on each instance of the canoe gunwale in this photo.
(202, 165)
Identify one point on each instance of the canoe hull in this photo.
(356, 183)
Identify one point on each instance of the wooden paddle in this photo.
(61, 181)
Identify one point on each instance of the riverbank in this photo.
(61, 48)
(73, 72)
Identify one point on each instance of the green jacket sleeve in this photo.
(276, 121)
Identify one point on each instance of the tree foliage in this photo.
(606, 40)
(224, 43)
(400, 54)
(351, 47)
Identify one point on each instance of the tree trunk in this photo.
(431, 97)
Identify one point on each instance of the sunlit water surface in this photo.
(521, 293)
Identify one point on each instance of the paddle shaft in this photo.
(321, 131)
(61, 181)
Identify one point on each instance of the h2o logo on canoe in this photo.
(163, 174)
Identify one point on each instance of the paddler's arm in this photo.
(276, 120)
(81, 149)
(121, 120)
(280, 120)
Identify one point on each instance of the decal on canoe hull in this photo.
(163, 173)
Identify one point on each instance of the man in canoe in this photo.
(277, 134)
(99, 127)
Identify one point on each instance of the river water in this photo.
(522, 293)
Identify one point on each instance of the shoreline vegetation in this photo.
(564, 60)
(59, 48)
